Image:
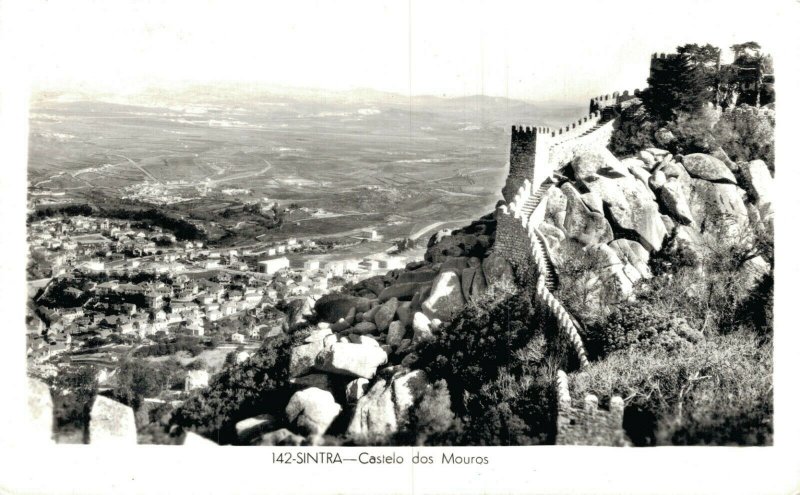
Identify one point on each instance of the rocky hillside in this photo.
(648, 258)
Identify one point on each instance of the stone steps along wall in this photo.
(544, 297)
(588, 425)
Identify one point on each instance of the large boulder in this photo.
(634, 255)
(408, 388)
(582, 223)
(717, 208)
(302, 357)
(754, 269)
(312, 410)
(251, 428)
(758, 181)
(606, 277)
(397, 330)
(111, 423)
(370, 287)
(555, 205)
(707, 167)
(628, 200)
(422, 327)
(364, 327)
(496, 268)
(331, 307)
(351, 359)
(297, 312)
(374, 415)
(417, 276)
(405, 313)
(591, 163)
(648, 159)
(632, 210)
(385, 314)
(467, 276)
(674, 201)
(446, 299)
(478, 286)
(355, 390)
(403, 291)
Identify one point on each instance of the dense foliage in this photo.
(492, 359)
(137, 379)
(641, 325)
(240, 391)
(680, 86)
(716, 392)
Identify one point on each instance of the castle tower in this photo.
(528, 158)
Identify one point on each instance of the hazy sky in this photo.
(563, 51)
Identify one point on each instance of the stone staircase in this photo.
(549, 272)
(598, 125)
(534, 199)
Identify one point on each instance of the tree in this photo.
(705, 59)
(678, 84)
(136, 380)
(751, 66)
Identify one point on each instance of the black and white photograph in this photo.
(398, 233)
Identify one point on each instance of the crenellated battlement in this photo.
(576, 129)
(663, 56)
(524, 131)
(659, 60)
(598, 103)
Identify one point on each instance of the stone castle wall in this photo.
(511, 239)
(588, 425)
(562, 153)
(528, 153)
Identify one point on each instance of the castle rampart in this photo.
(588, 425)
(536, 153)
(529, 147)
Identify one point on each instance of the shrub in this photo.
(432, 417)
(639, 324)
(699, 396)
(747, 133)
(483, 337)
(634, 129)
(240, 391)
(693, 132)
(492, 358)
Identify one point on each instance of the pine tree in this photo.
(677, 86)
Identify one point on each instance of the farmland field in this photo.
(356, 159)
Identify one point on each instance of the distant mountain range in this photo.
(231, 95)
